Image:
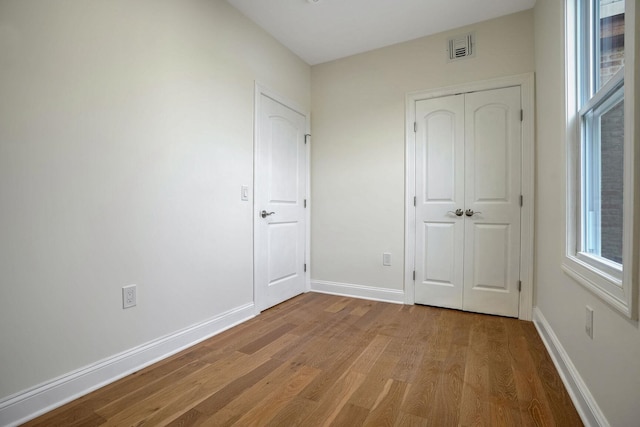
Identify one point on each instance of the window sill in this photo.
(610, 270)
(605, 286)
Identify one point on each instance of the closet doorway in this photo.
(467, 230)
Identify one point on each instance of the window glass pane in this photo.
(611, 46)
(612, 146)
(603, 180)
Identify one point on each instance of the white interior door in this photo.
(468, 180)
(439, 192)
(493, 144)
(280, 189)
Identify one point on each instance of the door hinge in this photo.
(305, 268)
(414, 275)
(521, 200)
(306, 136)
(415, 126)
(305, 203)
(519, 285)
(414, 200)
(521, 115)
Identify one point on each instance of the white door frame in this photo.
(260, 90)
(526, 84)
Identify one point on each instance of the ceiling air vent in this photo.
(461, 47)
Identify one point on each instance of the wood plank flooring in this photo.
(327, 360)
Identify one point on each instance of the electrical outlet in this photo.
(129, 296)
(386, 258)
(588, 325)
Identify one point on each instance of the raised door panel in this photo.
(490, 159)
(438, 282)
(491, 257)
(439, 253)
(283, 161)
(282, 249)
(440, 156)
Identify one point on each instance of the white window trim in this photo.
(617, 288)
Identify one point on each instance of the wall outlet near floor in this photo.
(588, 325)
(386, 258)
(129, 296)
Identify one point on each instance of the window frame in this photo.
(614, 283)
(611, 95)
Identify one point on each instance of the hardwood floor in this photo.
(326, 360)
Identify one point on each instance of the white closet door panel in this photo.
(439, 192)
(492, 193)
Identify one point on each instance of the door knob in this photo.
(265, 214)
(470, 212)
(458, 212)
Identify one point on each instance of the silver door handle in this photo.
(265, 214)
(458, 212)
(470, 212)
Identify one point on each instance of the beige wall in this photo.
(610, 363)
(126, 131)
(358, 120)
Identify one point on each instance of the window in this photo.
(599, 189)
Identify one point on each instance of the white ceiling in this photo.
(324, 30)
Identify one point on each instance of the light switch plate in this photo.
(244, 192)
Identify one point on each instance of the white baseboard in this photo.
(358, 291)
(43, 398)
(582, 398)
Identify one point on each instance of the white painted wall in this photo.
(126, 131)
(610, 363)
(357, 151)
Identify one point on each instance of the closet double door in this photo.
(468, 201)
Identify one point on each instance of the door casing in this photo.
(260, 90)
(526, 84)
